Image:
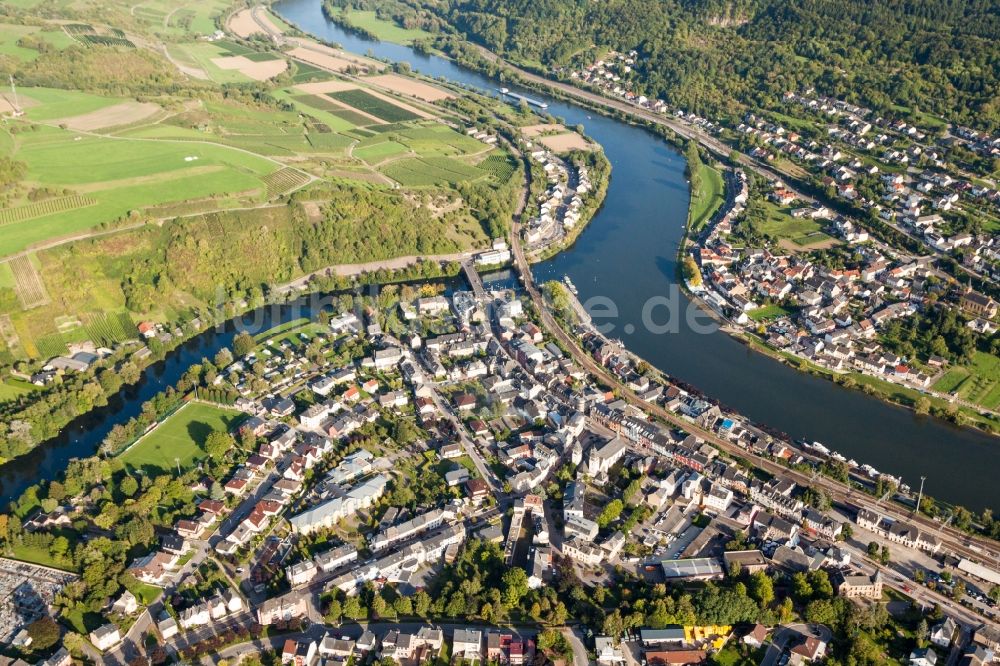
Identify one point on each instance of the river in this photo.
(627, 256)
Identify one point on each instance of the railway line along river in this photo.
(627, 257)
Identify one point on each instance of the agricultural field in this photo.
(10, 35)
(27, 282)
(44, 207)
(45, 104)
(204, 56)
(431, 172)
(180, 439)
(178, 19)
(376, 152)
(435, 139)
(109, 328)
(500, 166)
(368, 103)
(115, 175)
(284, 181)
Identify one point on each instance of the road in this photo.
(470, 447)
(354, 631)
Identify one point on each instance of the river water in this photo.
(626, 259)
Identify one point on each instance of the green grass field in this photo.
(379, 151)
(804, 233)
(123, 174)
(13, 388)
(144, 592)
(180, 439)
(38, 556)
(978, 382)
(10, 34)
(707, 198)
(51, 103)
(384, 30)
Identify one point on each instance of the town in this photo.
(358, 461)
(907, 226)
(920, 181)
(826, 309)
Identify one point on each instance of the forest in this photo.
(716, 58)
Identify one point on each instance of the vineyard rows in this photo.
(104, 40)
(41, 208)
(499, 166)
(108, 329)
(28, 284)
(284, 180)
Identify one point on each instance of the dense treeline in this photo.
(714, 57)
(939, 331)
(402, 15)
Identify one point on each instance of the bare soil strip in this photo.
(562, 143)
(407, 86)
(320, 87)
(243, 25)
(125, 113)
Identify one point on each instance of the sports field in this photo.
(181, 438)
